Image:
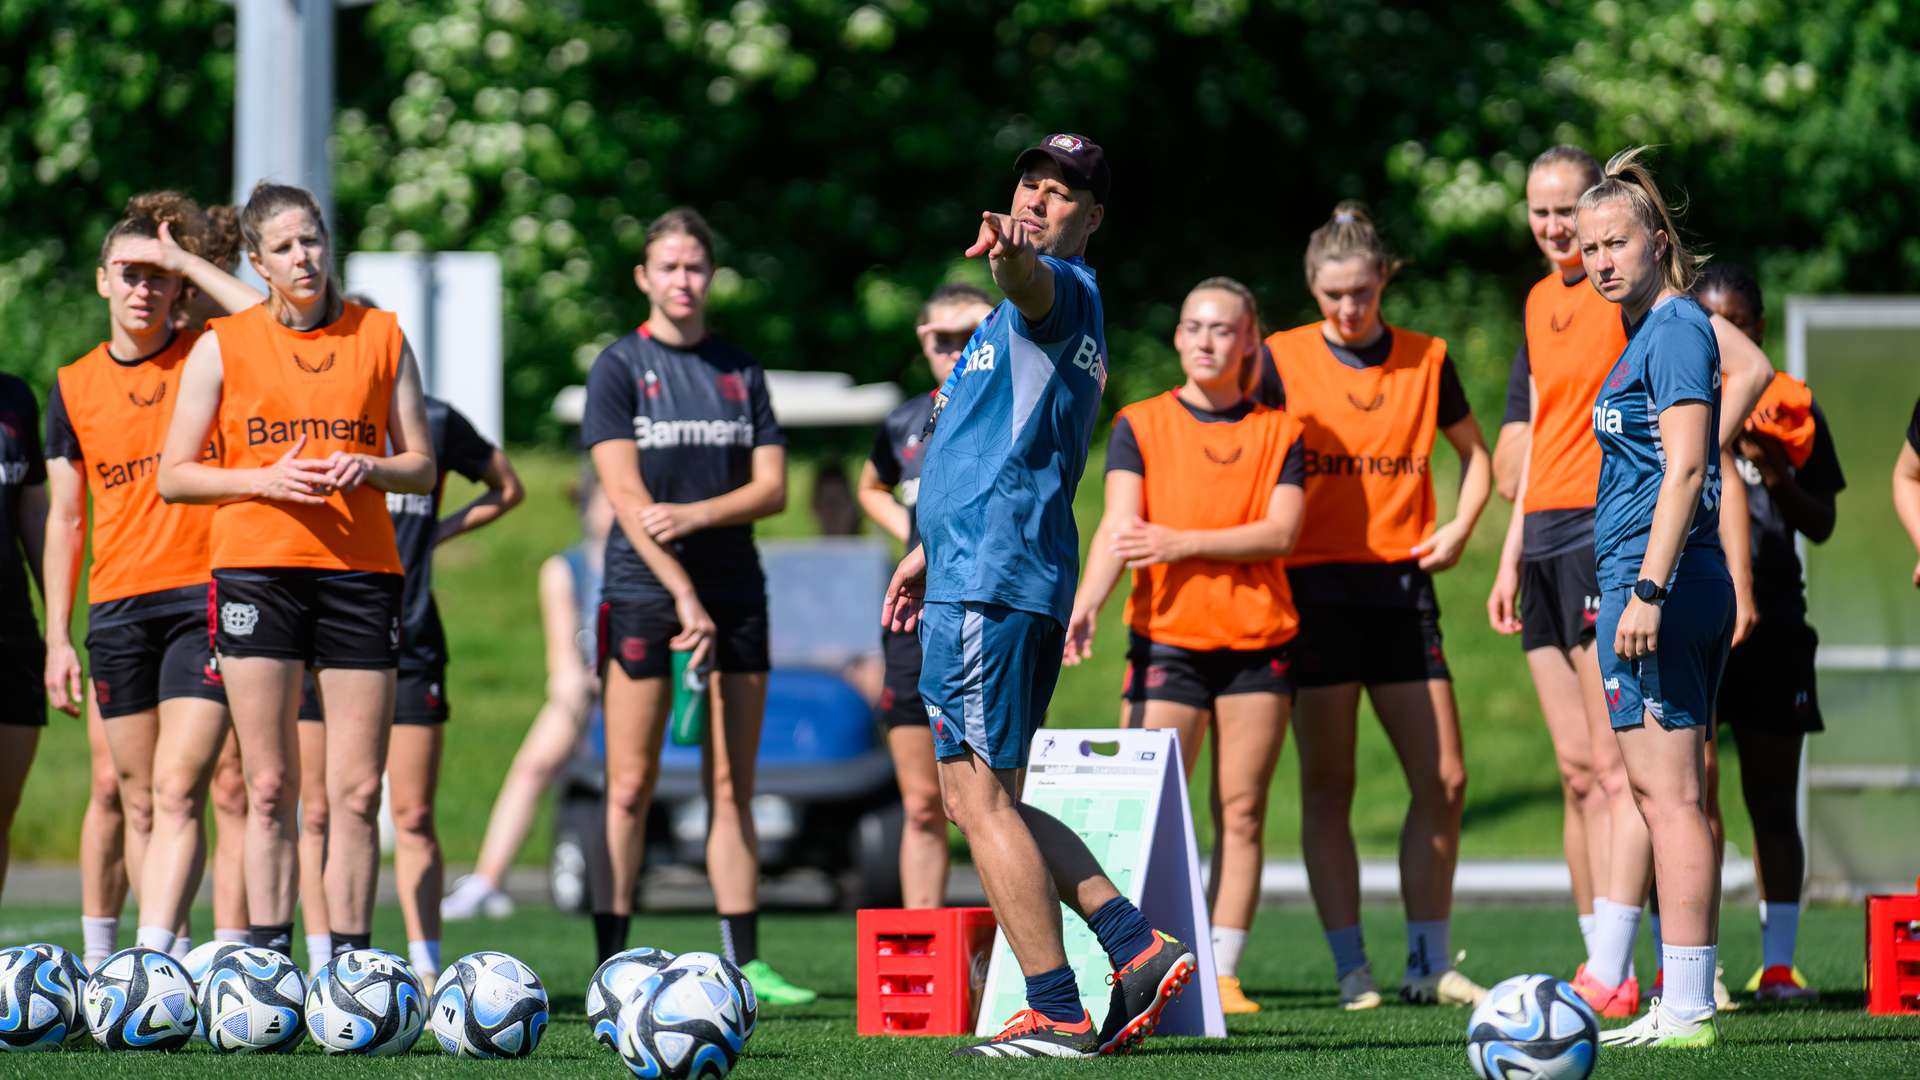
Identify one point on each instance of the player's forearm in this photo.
(1906, 493)
(667, 569)
(761, 497)
(1476, 487)
(1811, 516)
(885, 511)
(61, 556)
(1672, 519)
(485, 509)
(1736, 527)
(1102, 572)
(1027, 282)
(222, 288)
(1256, 541)
(193, 482)
(409, 472)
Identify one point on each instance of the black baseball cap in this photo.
(1081, 161)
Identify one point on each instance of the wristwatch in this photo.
(1646, 590)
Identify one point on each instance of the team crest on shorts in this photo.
(393, 632)
(238, 620)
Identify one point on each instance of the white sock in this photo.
(319, 950)
(424, 955)
(154, 937)
(1659, 945)
(182, 945)
(1689, 986)
(231, 934)
(1228, 943)
(101, 934)
(1779, 932)
(1427, 948)
(1586, 930)
(1615, 927)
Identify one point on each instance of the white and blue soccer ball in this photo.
(366, 1002)
(140, 999)
(613, 985)
(201, 958)
(251, 1002)
(717, 967)
(39, 997)
(682, 1024)
(1533, 1027)
(489, 1005)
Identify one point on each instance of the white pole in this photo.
(283, 96)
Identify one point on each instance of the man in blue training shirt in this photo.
(991, 588)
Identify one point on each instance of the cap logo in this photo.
(1069, 143)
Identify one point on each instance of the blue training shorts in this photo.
(1678, 683)
(986, 677)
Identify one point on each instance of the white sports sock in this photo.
(425, 955)
(1228, 943)
(101, 934)
(1779, 933)
(231, 934)
(1586, 930)
(1427, 948)
(1616, 926)
(1689, 987)
(1659, 954)
(154, 937)
(182, 945)
(319, 950)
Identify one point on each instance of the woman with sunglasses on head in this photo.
(889, 488)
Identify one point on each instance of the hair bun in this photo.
(1351, 212)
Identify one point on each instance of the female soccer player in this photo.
(155, 685)
(1372, 398)
(1792, 475)
(421, 710)
(686, 446)
(889, 488)
(319, 409)
(1203, 498)
(569, 610)
(1572, 337)
(23, 519)
(1658, 552)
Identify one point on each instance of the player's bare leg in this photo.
(413, 775)
(359, 710)
(228, 794)
(17, 746)
(636, 719)
(103, 845)
(314, 823)
(923, 837)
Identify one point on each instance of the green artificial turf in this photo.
(1300, 1033)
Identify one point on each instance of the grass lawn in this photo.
(1300, 1033)
(485, 583)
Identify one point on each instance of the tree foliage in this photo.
(844, 150)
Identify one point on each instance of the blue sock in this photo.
(1122, 930)
(1054, 995)
(1349, 949)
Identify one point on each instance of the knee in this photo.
(1242, 820)
(104, 794)
(314, 819)
(136, 805)
(271, 793)
(413, 823)
(229, 795)
(925, 813)
(358, 800)
(1614, 784)
(1578, 779)
(955, 808)
(630, 794)
(1326, 790)
(175, 798)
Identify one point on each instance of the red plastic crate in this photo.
(920, 971)
(1893, 954)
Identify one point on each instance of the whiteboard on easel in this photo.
(1124, 793)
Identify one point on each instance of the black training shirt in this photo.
(695, 417)
(21, 466)
(457, 447)
(897, 453)
(1778, 591)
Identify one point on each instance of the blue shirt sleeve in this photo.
(1683, 365)
(1072, 303)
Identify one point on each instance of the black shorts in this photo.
(327, 618)
(138, 664)
(635, 634)
(900, 692)
(1559, 600)
(421, 696)
(1369, 645)
(1195, 677)
(23, 675)
(1768, 687)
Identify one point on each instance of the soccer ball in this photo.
(140, 999)
(201, 958)
(681, 1025)
(613, 984)
(39, 998)
(489, 1005)
(715, 966)
(250, 1003)
(1532, 1026)
(365, 1002)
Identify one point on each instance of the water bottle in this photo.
(689, 726)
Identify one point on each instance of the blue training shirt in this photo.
(1009, 445)
(1670, 358)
